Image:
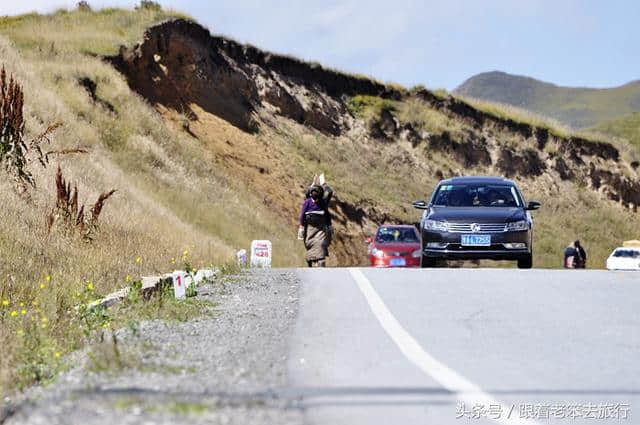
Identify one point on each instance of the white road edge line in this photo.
(465, 390)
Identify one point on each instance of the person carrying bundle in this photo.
(315, 222)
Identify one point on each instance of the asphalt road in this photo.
(514, 346)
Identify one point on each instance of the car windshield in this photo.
(626, 253)
(476, 195)
(397, 234)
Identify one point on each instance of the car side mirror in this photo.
(533, 205)
(421, 205)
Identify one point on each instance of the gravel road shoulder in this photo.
(223, 367)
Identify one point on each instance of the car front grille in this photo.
(397, 254)
(483, 227)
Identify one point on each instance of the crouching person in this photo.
(315, 224)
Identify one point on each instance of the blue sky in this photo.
(435, 43)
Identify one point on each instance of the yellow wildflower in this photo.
(127, 279)
(43, 326)
(138, 260)
(42, 286)
(44, 320)
(21, 304)
(173, 261)
(56, 355)
(23, 311)
(5, 302)
(185, 253)
(90, 286)
(14, 313)
(48, 278)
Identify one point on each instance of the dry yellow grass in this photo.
(171, 199)
(414, 110)
(505, 111)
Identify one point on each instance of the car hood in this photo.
(477, 214)
(397, 246)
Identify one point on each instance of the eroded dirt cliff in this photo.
(252, 106)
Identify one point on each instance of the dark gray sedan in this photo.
(477, 218)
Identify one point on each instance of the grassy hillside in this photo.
(573, 106)
(171, 207)
(627, 127)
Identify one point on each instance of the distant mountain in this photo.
(576, 107)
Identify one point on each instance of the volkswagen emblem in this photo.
(475, 227)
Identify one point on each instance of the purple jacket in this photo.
(321, 205)
(309, 206)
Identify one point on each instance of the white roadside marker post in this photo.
(261, 253)
(179, 284)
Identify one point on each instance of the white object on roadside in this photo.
(624, 258)
(241, 257)
(261, 252)
(179, 284)
(204, 274)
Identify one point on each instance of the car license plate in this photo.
(475, 240)
(397, 262)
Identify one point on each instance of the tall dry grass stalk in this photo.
(70, 213)
(15, 151)
(13, 148)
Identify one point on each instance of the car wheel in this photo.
(427, 262)
(525, 263)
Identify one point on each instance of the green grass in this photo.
(627, 127)
(366, 107)
(173, 406)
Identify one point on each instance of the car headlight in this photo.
(436, 225)
(516, 226)
(377, 253)
(416, 254)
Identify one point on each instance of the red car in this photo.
(395, 246)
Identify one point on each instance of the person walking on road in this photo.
(315, 223)
(575, 257)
